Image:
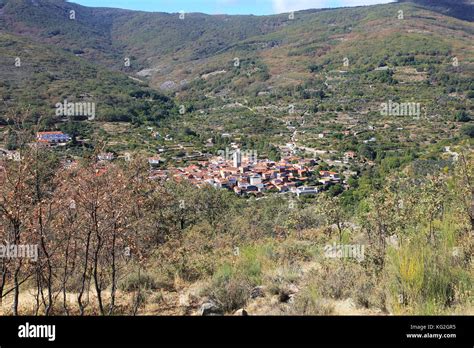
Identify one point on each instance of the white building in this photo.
(255, 180)
(306, 191)
(237, 158)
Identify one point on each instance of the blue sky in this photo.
(256, 7)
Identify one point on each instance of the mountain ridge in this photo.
(275, 53)
(461, 9)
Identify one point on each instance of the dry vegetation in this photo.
(113, 242)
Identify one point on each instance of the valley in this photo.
(195, 164)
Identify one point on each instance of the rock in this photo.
(210, 308)
(258, 291)
(287, 293)
(293, 289)
(168, 85)
(184, 300)
(241, 313)
(147, 72)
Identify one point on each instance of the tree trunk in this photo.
(114, 274)
(3, 279)
(84, 274)
(16, 294)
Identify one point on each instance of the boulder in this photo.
(287, 293)
(241, 313)
(258, 291)
(210, 308)
(184, 300)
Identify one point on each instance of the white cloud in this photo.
(280, 6)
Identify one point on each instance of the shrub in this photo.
(229, 289)
(250, 264)
(157, 297)
(309, 302)
(281, 278)
(134, 282)
(468, 130)
(411, 271)
(462, 116)
(367, 293)
(337, 280)
(424, 281)
(293, 251)
(232, 283)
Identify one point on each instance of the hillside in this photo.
(275, 51)
(107, 34)
(160, 45)
(37, 76)
(462, 9)
(241, 75)
(360, 122)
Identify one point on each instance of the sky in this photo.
(256, 7)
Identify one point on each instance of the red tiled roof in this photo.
(49, 133)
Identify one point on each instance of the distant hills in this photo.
(68, 50)
(463, 9)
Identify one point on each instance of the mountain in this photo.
(38, 76)
(371, 107)
(202, 59)
(462, 9)
(112, 34)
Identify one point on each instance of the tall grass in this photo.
(428, 279)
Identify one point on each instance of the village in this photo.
(247, 175)
(236, 170)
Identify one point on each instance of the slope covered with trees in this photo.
(112, 241)
(115, 239)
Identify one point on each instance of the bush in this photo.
(229, 289)
(157, 297)
(250, 264)
(423, 281)
(462, 116)
(280, 280)
(468, 130)
(338, 280)
(232, 283)
(293, 251)
(309, 302)
(369, 294)
(410, 264)
(133, 282)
